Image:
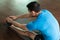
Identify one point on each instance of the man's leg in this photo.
(25, 33)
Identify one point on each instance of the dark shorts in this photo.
(39, 37)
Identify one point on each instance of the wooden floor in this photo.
(52, 5)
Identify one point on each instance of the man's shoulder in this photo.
(45, 10)
(44, 13)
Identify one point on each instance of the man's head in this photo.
(34, 8)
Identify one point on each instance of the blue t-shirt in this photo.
(46, 24)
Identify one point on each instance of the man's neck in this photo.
(38, 13)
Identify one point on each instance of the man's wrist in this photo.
(16, 17)
(12, 22)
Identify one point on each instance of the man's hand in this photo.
(13, 17)
(9, 20)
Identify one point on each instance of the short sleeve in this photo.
(31, 26)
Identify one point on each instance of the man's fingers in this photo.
(13, 17)
(8, 19)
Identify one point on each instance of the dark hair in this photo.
(33, 6)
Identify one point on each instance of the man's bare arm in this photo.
(24, 16)
(22, 26)
(20, 16)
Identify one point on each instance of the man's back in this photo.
(48, 25)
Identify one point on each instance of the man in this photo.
(45, 22)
